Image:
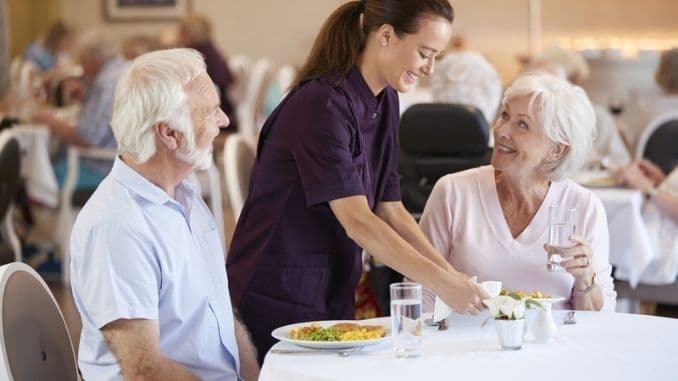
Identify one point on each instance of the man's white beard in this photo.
(198, 159)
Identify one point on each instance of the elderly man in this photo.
(147, 267)
(102, 66)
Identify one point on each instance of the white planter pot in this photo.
(510, 333)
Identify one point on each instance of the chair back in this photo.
(10, 168)
(437, 139)
(660, 145)
(239, 157)
(34, 340)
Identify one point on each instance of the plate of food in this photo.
(534, 295)
(332, 334)
(595, 179)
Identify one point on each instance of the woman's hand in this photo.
(576, 260)
(632, 176)
(463, 295)
(652, 172)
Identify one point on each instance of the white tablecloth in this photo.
(601, 346)
(631, 250)
(643, 243)
(36, 167)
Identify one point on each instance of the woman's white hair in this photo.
(566, 115)
(150, 91)
(467, 78)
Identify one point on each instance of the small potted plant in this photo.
(508, 312)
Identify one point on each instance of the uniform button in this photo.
(375, 115)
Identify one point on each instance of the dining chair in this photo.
(437, 139)
(239, 157)
(35, 343)
(247, 111)
(659, 142)
(10, 168)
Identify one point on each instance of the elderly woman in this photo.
(493, 221)
(467, 78)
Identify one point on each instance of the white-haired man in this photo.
(147, 267)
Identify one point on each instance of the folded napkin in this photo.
(442, 311)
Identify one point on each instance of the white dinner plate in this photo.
(283, 334)
(552, 300)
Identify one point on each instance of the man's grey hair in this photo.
(152, 90)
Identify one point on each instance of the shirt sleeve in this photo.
(392, 188)
(327, 152)
(116, 274)
(436, 223)
(598, 236)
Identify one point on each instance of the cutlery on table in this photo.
(340, 352)
(569, 318)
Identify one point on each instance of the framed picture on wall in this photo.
(145, 10)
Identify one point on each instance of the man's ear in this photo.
(166, 136)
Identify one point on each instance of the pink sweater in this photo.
(464, 221)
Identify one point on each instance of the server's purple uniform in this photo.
(290, 260)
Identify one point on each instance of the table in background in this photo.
(604, 346)
(36, 167)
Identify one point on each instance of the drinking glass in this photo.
(561, 227)
(406, 320)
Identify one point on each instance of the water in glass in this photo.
(406, 320)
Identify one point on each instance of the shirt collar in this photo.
(357, 81)
(145, 189)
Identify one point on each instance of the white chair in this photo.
(246, 111)
(239, 157)
(240, 66)
(35, 343)
(10, 168)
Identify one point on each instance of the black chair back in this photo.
(10, 165)
(437, 139)
(662, 146)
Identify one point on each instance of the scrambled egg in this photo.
(338, 332)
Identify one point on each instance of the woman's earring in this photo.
(383, 43)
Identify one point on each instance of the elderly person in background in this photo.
(102, 66)
(493, 221)
(637, 117)
(660, 215)
(137, 45)
(48, 50)
(195, 32)
(467, 78)
(608, 147)
(147, 268)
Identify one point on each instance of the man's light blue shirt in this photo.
(136, 253)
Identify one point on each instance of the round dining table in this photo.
(600, 346)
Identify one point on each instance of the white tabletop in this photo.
(603, 346)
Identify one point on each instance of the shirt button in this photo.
(375, 115)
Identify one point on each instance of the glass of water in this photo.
(561, 227)
(406, 320)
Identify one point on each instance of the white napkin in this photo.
(442, 310)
